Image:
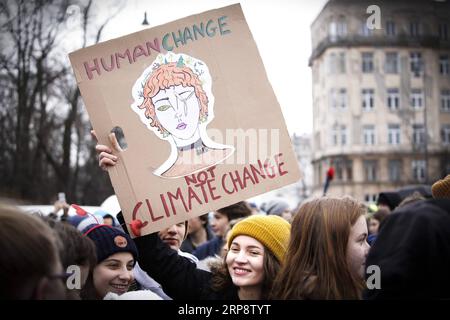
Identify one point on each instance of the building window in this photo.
(394, 134)
(338, 169)
(445, 100)
(349, 170)
(445, 134)
(416, 63)
(338, 99)
(369, 135)
(365, 31)
(393, 99)
(332, 63)
(390, 28)
(333, 98)
(334, 136)
(414, 29)
(370, 170)
(444, 67)
(443, 31)
(367, 62)
(395, 170)
(343, 135)
(341, 63)
(332, 31)
(341, 27)
(418, 134)
(417, 98)
(367, 99)
(342, 98)
(391, 65)
(418, 170)
(339, 132)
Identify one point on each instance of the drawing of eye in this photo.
(164, 107)
(186, 95)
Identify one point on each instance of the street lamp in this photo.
(145, 22)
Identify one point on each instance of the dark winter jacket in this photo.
(188, 246)
(178, 276)
(412, 252)
(209, 249)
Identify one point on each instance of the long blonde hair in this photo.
(316, 261)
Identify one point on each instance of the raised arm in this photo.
(178, 276)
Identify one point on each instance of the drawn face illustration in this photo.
(173, 98)
(178, 110)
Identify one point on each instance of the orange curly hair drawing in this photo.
(164, 77)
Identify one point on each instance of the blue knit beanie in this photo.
(109, 240)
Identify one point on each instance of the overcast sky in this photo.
(276, 25)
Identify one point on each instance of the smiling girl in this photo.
(116, 256)
(257, 245)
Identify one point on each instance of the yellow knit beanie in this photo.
(441, 188)
(272, 231)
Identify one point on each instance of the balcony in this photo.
(366, 150)
(356, 40)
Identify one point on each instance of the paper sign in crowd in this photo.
(202, 124)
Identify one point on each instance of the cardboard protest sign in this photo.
(202, 124)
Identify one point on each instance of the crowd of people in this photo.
(321, 250)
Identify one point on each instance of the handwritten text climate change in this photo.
(207, 186)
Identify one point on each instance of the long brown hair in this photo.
(316, 265)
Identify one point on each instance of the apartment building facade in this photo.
(381, 95)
